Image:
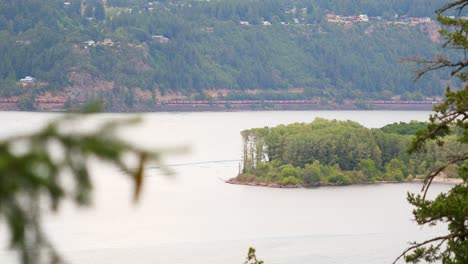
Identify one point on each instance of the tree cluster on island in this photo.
(338, 153)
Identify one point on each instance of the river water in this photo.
(194, 217)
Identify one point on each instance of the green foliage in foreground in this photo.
(51, 166)
(449, 208)
(337, 153)
(252, 257)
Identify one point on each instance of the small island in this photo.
(332, 153)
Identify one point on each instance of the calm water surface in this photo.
(194, 217)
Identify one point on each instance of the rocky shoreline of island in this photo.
(438, 180)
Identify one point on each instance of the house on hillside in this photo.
(425, 20)
(107, 42)
(160, 38)
(90, 43)
(27, 79)
(23, 42)
(363, 18)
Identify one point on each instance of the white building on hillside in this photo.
(27, 79)
(363, 18)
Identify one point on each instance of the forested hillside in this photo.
(129, 51)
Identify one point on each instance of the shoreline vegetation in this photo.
(212, 107)
(336, 153)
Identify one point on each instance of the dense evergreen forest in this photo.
(338, 153)
(130, 50)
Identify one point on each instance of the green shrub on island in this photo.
(335, 152)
